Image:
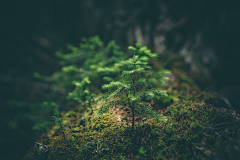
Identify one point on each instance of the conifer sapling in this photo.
(136, 86)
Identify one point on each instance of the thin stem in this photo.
(133, 109)
(130, 104)
(133, 119)
(134, 78)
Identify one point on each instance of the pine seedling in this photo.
(136, 86)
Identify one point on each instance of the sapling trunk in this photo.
(133, 116)
(133, 119)
(131, 106)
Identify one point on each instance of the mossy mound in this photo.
(197, 126)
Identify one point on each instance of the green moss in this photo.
(103, 137)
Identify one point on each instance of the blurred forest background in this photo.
(205, 32)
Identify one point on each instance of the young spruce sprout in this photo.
(137, 85)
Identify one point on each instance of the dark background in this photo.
(206, 33)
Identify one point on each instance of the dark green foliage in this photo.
(81, 92)
(79, 76)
